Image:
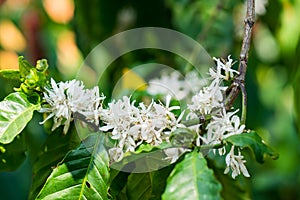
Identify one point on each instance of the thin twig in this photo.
(239, 81)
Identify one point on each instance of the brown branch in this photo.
(82, 118)
(239, 81)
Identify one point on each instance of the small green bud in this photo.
(2, 149)
(42, 65)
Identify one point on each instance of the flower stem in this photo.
(244, 103)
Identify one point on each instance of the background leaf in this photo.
(12, 155)
(192, 179)
(140, 186)
(254, 142)
(83, 174)
(232, 189)
(15, 112)
(237, 188)
(52, 152)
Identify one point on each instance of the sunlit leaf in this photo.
(254, 142)
(53, 151)
(15, 112)
(192, 179)
(83, 174)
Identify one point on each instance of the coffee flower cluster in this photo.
(210, 101)
(66, 98)
(131, 124)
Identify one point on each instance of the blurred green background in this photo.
(65, 31)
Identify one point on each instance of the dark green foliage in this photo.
(252, 141)
(192, 179)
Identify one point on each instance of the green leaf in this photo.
(83, 174)
(146, 158)
(12, 155)
(52, 152)
(11, 74)
(192, 179)
(159, 181)
(149, 185)
(254, 142)
(15, 112)
(118, 180)
(24, 66)
(148, 147)
(139, 186)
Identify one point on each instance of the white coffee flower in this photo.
(194, 83)
(260, 7)
(132, 125)
(235, 163)
(216, 75)
(229, 73)
(115, 154)
(222, 126)
(92, 108)
(176, 85)
(174, 153)
(169, 84)
(66, 98)
(207, 99)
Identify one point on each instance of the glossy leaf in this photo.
(254, 142)
(83, 174)
(52, 152)
(191, 179)
(12, 155)
(15, 112)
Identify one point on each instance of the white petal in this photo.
(244, 170)
(106, 128)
